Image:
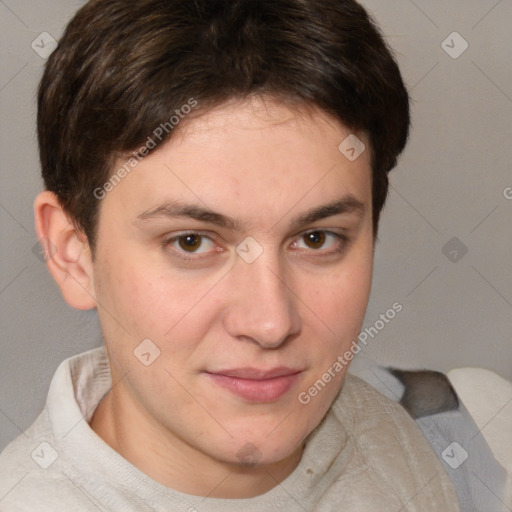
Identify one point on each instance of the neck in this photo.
(172, 462)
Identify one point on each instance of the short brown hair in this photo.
(123, 67)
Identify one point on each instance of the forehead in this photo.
(261, 118)
(255, 156)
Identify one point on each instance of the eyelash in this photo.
(342, 242)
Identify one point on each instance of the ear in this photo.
(67, 251)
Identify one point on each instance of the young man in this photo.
(215, 171)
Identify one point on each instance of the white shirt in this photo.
(366, 455)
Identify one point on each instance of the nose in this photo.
(262, 306)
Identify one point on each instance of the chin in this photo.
(258, 449)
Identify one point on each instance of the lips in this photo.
(256, 385)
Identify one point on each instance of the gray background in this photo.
(451, 182)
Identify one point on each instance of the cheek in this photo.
(130, 298)
(142, 300)
(340, 303)
(341, 297)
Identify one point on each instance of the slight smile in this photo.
(254, 385)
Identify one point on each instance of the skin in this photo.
(299, 304)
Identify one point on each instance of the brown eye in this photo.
(322, 242)
(190, 243)
(315, 239)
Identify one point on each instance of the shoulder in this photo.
(437, 404)
(365, 401)
(34, 468)
(26, 468)
(392, 448)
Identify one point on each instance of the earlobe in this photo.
(67, 251)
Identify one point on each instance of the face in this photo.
(243, 251)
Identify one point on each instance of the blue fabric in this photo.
(476, 475)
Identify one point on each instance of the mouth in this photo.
(255, 385)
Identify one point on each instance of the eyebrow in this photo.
(348, 204)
